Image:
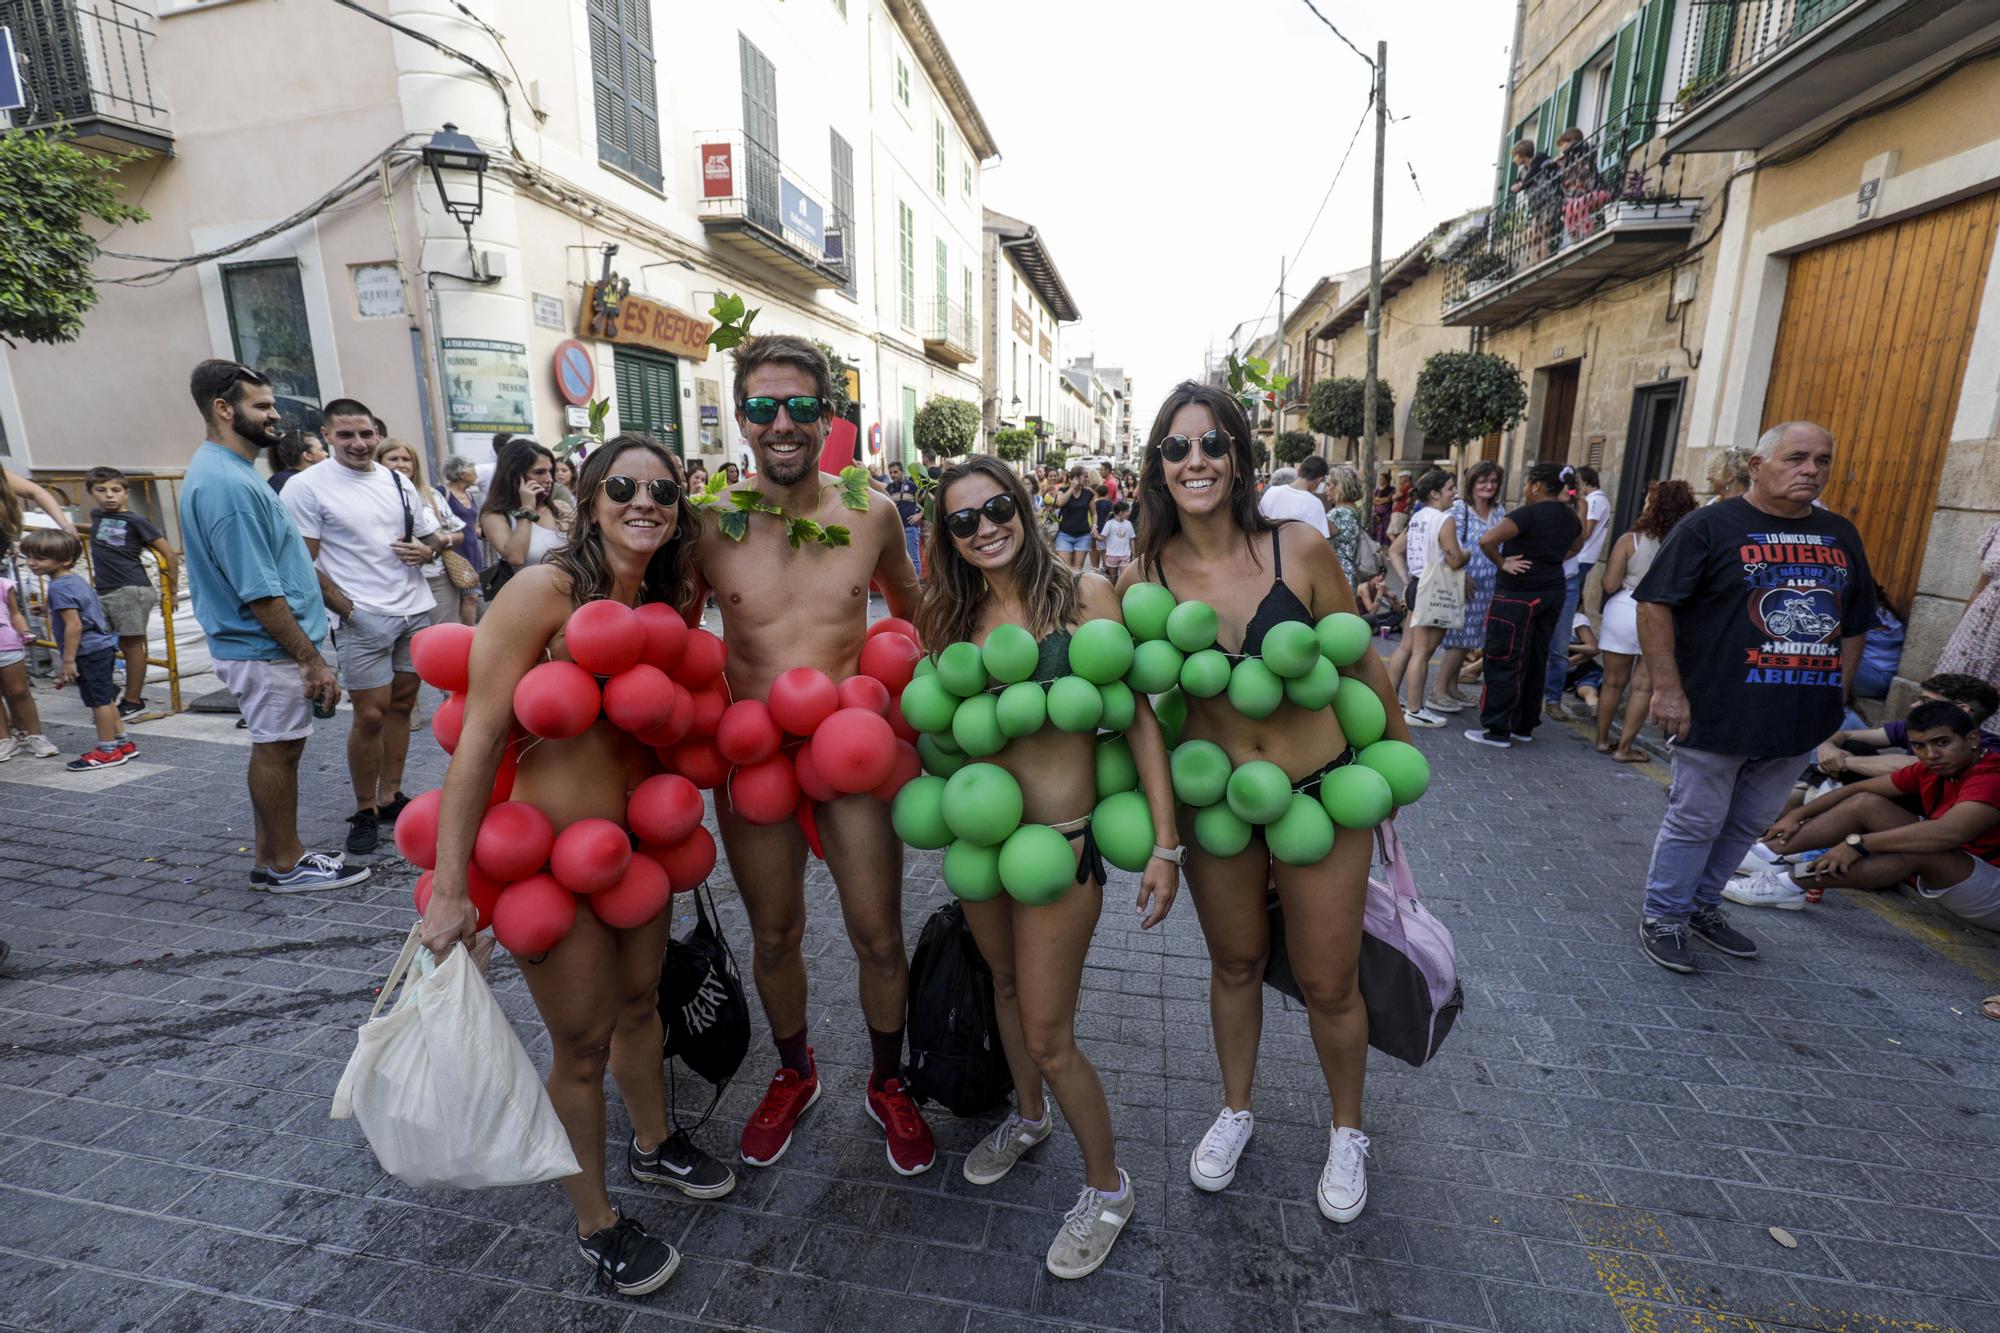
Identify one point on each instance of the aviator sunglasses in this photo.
(1213, 443)
(964, 522)
(666, 492)
(804, 409)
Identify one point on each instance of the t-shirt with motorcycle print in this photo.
(1761, 604)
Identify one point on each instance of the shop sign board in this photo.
(486, 386)
(718, 173)
(645, 323)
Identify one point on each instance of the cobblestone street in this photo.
(1601, 1145)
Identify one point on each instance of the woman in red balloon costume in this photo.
(989, 566)
(630, 543)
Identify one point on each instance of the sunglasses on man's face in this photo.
(666, 492)
(804, 409)
(962, 523)
(1213, 443)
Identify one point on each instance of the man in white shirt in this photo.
(1596, 517)
(1301, 500)
(370, 535)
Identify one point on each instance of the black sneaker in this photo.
(678, 1163)
(1666, 943)
(364, 832)
(387, 814)
(1711, 926)
(628, 1259)
(128, 708)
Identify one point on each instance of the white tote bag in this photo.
(442, 1087)
(1441, 590)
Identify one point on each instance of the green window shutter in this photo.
(648, 389)
(622, 87)
(1649, 70)
(1564, 104)
(1714, 41)
(1624, 55)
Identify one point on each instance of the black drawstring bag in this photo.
(704, 1018)
(955, 1054)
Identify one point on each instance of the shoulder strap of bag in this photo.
(409, 519)
(400, 969)
(1394, 863)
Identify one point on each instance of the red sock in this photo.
(793, 1053)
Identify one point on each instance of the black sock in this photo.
(793, 1053)
(888, 1049)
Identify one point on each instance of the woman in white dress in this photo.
(1667, 503)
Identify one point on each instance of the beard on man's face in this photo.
(265, 435)
(786, 470)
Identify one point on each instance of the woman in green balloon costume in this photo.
(1281, 766)
(1029, 804)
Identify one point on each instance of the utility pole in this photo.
(1278, 363)
(1375, 267)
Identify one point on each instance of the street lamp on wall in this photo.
(456, 153)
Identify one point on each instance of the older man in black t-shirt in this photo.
(1752, 620)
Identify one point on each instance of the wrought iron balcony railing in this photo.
(747, 194)
(948, 333)
(86, 67)
(1727, 39)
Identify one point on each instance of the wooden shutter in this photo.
(648, 390)
(1717, 36)
(1545, 125)
(622, 85)
(1611, 144)
(1649, 68)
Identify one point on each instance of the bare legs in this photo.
(20, 699)
(1621, 670)
(274, 802)
(378, 744)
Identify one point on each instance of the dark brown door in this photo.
(1558, 412)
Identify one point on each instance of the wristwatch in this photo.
(1854, 840)
(1178, 855)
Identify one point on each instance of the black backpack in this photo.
(955, 1055)
(704, 1018)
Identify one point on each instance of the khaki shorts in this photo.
(128, 610)
(271, 696)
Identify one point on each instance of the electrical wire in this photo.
(1337, 32)
(1352, 140)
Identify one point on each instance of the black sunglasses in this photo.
(804, 409)
(1213, 443)
(666, 492)
(963, 523)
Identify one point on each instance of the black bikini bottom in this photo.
(1309, 784)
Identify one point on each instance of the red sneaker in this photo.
(769, 1131)
(911, 1148)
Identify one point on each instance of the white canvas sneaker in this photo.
(1766, 888)
(1213, 1165)
(1343, 1185)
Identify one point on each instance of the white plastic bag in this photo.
(442, 1087)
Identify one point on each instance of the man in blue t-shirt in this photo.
(258, 600)
(904, 492)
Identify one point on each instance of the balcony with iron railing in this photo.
(1610, 207)
(1755, 71)
(752, 203)
(86, 68)
(949, 336)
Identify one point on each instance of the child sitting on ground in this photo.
(117, 536)
(24, 723)
(89, 651)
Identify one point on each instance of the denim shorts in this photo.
(94, 678)
(373, 648)
(1066, 542)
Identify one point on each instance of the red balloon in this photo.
(802, 698)
(640, 894)
(590, 855)
(421, 891)
(746, 734)
(513, 841)
(442, 655)
(484, 890)
(709, 701)
(664, 808)
(604, 637)
(900, 724)
(699, 763)
(689, 861)
(666, 636)
(809, 825)
(810, 782)
(908, 765)
(865, 691)
(449, 722)
(765, 793)
(639, 698)
(680, 719)
(702, 660)
(533, 916)
(557, 700)
(854, 750)
(893, 625)
(503, 776)
(417, 830)
(891, 659)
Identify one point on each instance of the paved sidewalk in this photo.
(1601, 1145)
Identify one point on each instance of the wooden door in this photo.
(1872, 345)
(1558, 412)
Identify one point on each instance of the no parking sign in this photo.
(576, 372)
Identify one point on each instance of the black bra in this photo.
(1051, 657)
(1279, 605)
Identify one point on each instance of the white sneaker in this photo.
(1766, 888)
(41, 747)
(1435, 705)
(1759, 859)
(994, 1156)
(7, 747)
(1343, 1185)
(1213, 1165)
(1423, 717)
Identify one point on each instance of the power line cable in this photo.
(1337, 32)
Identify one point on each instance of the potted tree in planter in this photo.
(1293, 447)
(1465, 396)
(1336, 407)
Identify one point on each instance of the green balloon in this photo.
(937, 759)
(961, 670)
(1123, 827)
(1100, 651)
(1037, 865)
(1259, 791)
(1156, 665)
(918, 814)
(1255, 690)
(1023, 709)
(945, 743)
(1291, 648)
(1403, 764)
(1315, 689)
(1356, 796)
(1220, 832)
(1359, 708)
(1343, 637)
(1200, 771)
(1146, 607)
(975, 728)
(1191, 626)
(1303, 835)
(982, 804)
(1119, 705)
(928, 705)
(1170, 709)
(1205, 674)
(1075, 705)
(926, 666)
(1009, 654)
(972, 872)
(1117, 771)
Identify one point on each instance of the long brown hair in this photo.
(1667, 503)
(510, 469)
(670, 573)
(1158, 520)
(954, 591)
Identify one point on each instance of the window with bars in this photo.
(622, 80)
(938, 143)
(906, 256)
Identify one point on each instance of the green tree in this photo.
(947, 427)
(1335, 407)
(1056, 457)
(48, 190)
(1293, 447)
(838, 399)
(1463, 396)
(1014, 446)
